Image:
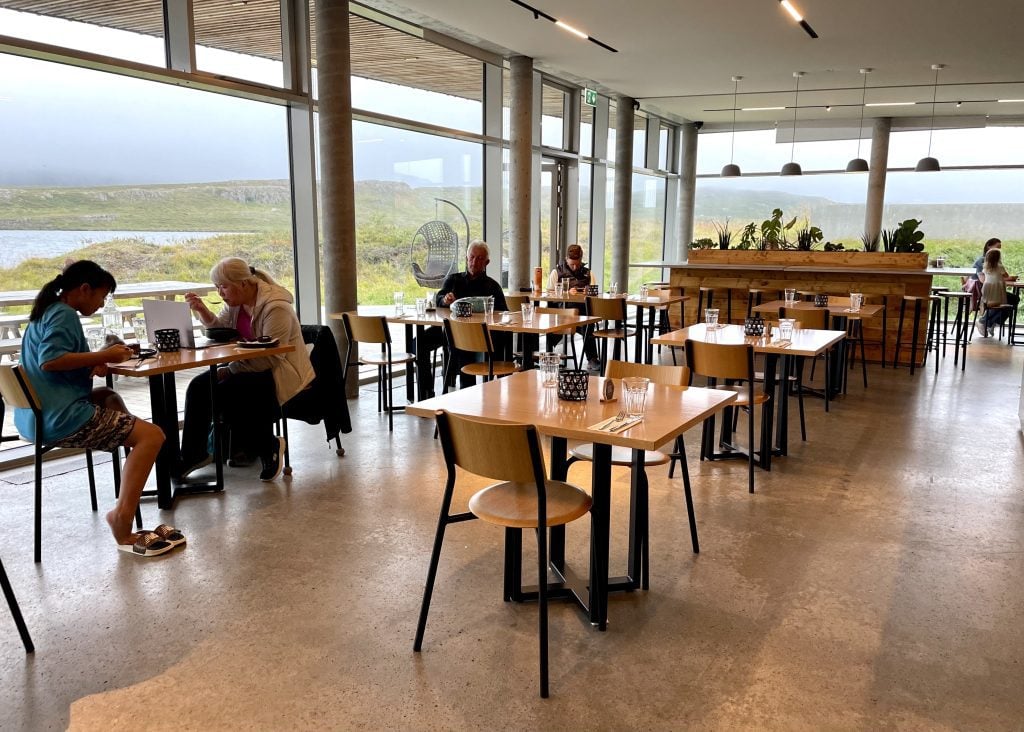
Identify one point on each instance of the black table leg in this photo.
(559, 471)
(410, 393)
(599, 529)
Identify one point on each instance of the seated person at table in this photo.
(1012, 298)
(993, 292)
(59, 365)
(474, 282)
(579, 276)
(249, 393)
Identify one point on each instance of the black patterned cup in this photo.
(168, 340)
(820, 300)
(462, 309)
(593, 290)
(754, 326)
(572, 385)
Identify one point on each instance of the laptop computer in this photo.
(161, 314)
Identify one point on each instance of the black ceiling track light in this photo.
(795, 14)
(538, 14)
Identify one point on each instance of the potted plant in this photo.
(904, 238)
(724, 234)
(748, 237)
(702, 243)
(807, 237)
(870, 242)
(774, 231)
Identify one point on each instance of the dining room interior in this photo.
(829, 535)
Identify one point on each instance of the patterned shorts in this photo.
(106, 430)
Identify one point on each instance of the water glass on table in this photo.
(421, 307)
(527, 309)
(399, 303)
(489, 309)
(790, 296)
(634, 392)
(856, 300)
(139, 326)
(711, 317)
(96, 337)
(786, 327)
(559, 288)
(549, 363)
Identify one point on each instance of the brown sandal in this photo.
(149, 544)
(169, 534)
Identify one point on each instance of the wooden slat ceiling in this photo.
(254, 28)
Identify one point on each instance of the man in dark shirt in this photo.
(474, 282)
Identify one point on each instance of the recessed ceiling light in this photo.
(1010, 101)
(575, 31)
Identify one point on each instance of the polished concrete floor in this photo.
(874, 581)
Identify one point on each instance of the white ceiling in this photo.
(678, 56)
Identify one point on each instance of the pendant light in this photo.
(732, 170)
(859, 164)
(929, 164)
(792, 168)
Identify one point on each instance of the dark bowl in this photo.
(221, 335)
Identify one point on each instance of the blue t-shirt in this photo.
(64, 395)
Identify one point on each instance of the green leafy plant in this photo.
(774, 231)
(830, 247)
(807, 237)
(702, 243)
(904, 238)
(748, 237)
(724, 234)
(870, 242)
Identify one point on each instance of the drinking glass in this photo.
(421, 307)
(635, 394)
(96, 338)
(559, 288)
(565, 285)
(644, 291)
(489, 308)
(856, 300)
(139, 326)
(549, 363)
(790, 296)
(527, 308)
(614, 289)
(399, 303)
(711, 317)
(786, 326)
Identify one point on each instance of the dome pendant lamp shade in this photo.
(859, 164)
(732, 170)
(793, 168)
(929, 164)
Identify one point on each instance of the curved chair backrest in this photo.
(817, 318)
(442, 249)
(552, 311)
(366, 328)
(607, 308)
(497, 451)
(657, 373)
(468, 336)
(16, 389)
(720, 360)
(514, 302)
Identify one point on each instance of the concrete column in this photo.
(337, 183)
(687, 190)
(876, 176)
(623, 193)
(520, 173)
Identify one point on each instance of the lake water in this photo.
(17, 246)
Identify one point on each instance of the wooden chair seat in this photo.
(515, 504)
(613, 333)
(620, 455)
(501, 368)
(742, 399)
(380, 359)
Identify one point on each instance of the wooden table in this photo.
(160, 371)
(521, 398)
(164, 290)
(501, 322)
(651, 304)
(806, 342)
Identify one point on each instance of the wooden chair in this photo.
(568, 339)
(622, 456)
(516, 302)
(473, 337)
(12, 603)
(17, 391)
(819, 320)
(526, 499)
(730, 363)
(612, 310)
(374, 329)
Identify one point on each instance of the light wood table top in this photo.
(521, 398)
(839, 311)
(188, 358)
(805, 342)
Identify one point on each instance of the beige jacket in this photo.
(273, 315)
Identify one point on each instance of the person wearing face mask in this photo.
(250, 393)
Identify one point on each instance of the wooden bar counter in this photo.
(882, 277)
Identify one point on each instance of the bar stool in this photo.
(932, 339)
(918, 303)
(751, 296)
(960, 329)
(704, 292)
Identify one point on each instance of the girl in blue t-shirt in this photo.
(56, 359)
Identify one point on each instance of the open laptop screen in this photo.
(161, 314)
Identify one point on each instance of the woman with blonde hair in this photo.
(250, 393)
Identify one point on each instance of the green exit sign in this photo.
(590, 97)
